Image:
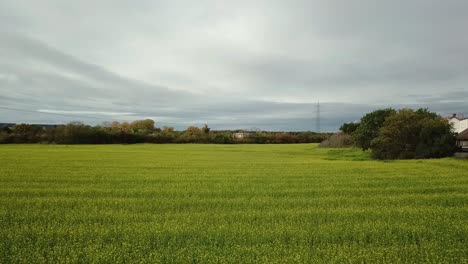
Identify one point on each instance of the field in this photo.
(228, 203)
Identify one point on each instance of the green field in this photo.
(228, 203)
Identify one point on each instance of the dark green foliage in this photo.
(369, 127)
(349, 128)
(5, 129)
(435, 139)
(405, 134)
(223, 138)
(165, 135)
(266, 137)
(414, 134)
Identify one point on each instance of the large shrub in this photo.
(338, 140)
(413, 134)
(369, 127)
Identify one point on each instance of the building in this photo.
(459, 123)
(462, 141)
(240, 135)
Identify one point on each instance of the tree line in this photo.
(144, 131)
(402, 134)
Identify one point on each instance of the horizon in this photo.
(180, 127)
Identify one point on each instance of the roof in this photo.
(463, 135)
(458, 118)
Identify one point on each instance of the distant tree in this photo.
(106, 124)
(284, 138)
(144, 131)
(6, 135)
(223, 138)
(6, 129)
(205, 129)
(414, 134)
(73, 133)
(142, 126)
(261, 137)
(193, 134)
(26, 133)
(311, 137)
(125, 127)
(165, 135)
(23, 129)
(193, 131)
(349, 128)
(5, 138)
(168, 131)
(115, 124)
(369, 127)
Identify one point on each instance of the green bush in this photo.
(369, 127)
(414, 134)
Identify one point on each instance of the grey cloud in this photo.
(232, 64)
(44, 74)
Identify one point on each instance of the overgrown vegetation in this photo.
(403, 134)
(369, 127)
(338, 140)
(144, 131)
(228, 204)
(414, 134)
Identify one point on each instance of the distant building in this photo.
(459, 123)
(240, 135)
(462, 141)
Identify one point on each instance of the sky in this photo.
(230, 64)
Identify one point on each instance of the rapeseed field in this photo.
(228, 204)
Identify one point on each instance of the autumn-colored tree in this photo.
(142, 126)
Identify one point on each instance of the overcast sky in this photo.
(230, 64)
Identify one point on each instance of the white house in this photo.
(240, 135)
(459, 123)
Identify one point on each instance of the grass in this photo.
(228, 203)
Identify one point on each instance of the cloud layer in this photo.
(240, 64)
